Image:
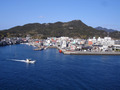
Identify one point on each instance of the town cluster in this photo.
(92, 44)
(106, 44)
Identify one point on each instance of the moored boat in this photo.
(39, 49)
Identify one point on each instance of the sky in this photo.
(105, 13)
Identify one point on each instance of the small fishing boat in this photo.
(29, 61)
(39, 49)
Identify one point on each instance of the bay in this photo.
(56, 71)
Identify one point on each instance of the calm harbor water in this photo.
(56, 71)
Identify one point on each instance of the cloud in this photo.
(41, 17)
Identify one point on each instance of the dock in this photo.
(89, 53)
(84, 52)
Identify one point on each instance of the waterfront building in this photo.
(116, 47)
(63, 44)
(46, 42)
(108, 41)
(64, 38)
(72, 47)
(90, 42)
(117, 42)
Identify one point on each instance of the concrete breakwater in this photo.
(90, 53)
(84, 52)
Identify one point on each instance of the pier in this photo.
(89, 53)
(84, 52)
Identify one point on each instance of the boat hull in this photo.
(30, 61)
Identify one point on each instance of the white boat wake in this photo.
(17, 60)
(33, 61)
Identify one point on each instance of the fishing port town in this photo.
(66, 45)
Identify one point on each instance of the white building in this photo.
(63, 44)
(108, 41)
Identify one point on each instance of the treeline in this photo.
(75, 28)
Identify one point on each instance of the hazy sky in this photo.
(105, 13)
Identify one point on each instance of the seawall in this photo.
(90, 53)
(84, 53)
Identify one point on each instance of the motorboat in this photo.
(39, 49)
(29, 61)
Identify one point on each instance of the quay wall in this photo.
(90, 53)
(84, 53)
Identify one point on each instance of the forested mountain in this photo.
(105, 29)
(75, 28)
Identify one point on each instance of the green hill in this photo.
(75, 28)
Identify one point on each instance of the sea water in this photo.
(56, 71)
